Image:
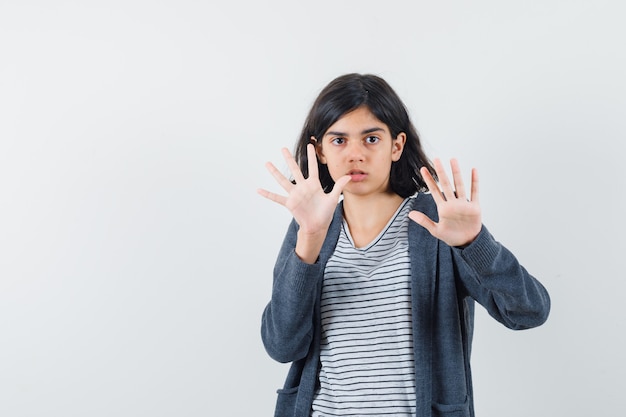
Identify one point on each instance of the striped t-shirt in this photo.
(367, 365)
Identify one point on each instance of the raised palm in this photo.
(459, 215)
(310, 206)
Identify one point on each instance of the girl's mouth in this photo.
(357, 176)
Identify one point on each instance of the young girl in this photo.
(374, 286)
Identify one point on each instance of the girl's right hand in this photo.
(310, 206)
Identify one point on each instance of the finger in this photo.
(457, 177)
(339, 186)
(474, 187)
(423, 220)
(432, 185)
(312, 161)
(444, 182)
(293, 166)
(280, 178)
(271, 196)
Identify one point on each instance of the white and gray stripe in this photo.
(367, 343)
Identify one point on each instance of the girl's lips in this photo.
(357, 176)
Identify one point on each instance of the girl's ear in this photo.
(398, 146)
(318, 150)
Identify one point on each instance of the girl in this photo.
(374, 285)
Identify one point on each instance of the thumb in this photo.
(423, 220)
(339, 186)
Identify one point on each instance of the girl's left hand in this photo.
(459, 216)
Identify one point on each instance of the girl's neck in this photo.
(368, 215)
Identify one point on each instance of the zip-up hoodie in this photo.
(445, 283)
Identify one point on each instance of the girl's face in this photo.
(360, 145)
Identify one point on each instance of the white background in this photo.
(136, 256)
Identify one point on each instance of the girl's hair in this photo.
(348, 92)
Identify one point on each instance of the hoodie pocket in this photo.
(286, 402)
(451, 410)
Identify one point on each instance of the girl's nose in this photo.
(355, 152)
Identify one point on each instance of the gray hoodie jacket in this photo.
(445, 282)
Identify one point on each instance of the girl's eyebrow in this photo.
(364, 132)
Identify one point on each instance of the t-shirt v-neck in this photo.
(346, 229)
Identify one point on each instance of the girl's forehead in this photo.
(357, 118)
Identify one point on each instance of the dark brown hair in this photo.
(345, 94)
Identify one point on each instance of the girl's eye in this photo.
(371, 139)
(338, 141)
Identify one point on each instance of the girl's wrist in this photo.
(309, 245)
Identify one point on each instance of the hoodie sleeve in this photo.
(493, 276)
(287, 325)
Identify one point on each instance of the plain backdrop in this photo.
(136, 256)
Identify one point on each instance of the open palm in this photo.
(310, 206)
(459, 215)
